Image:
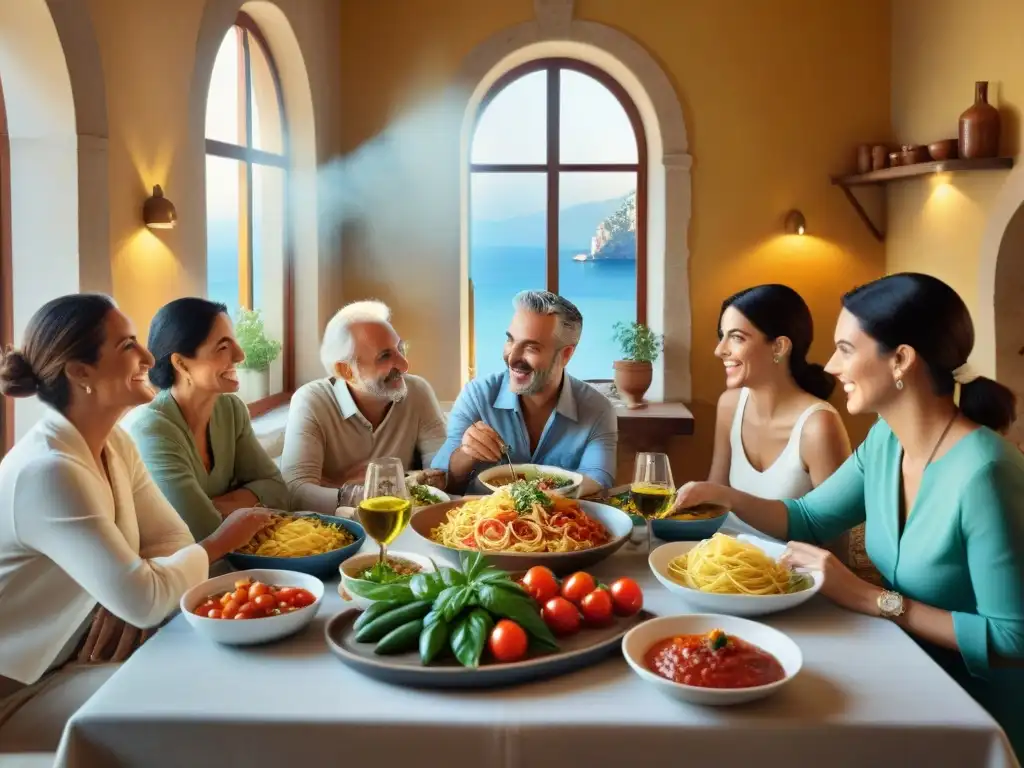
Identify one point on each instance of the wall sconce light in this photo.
(796, 224)
(158, 212)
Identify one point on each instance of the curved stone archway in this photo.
(555, 33)
(1008, 313)
(310, 314)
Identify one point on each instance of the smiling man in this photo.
(368, 407)
(539, 411)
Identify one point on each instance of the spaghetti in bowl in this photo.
(733, 576)
(562, 534)
(308, 543)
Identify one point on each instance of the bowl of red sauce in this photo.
(711, 659)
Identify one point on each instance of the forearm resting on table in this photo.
(768, 515)
(460, 467)
(590, 487)
(240, 498)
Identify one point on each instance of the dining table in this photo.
(867, 696)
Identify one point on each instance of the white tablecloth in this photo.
(867, 696)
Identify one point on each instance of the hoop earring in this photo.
(776, 359)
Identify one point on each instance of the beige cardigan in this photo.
(69, 540)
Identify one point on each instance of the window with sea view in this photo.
(557, 202)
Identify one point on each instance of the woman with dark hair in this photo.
(940, 491)
(775, 436)
(196, 436)
(81, 522)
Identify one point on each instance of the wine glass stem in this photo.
(383, 552)
(650, 534)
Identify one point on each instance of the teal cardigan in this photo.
(961, 550)
(171, 455)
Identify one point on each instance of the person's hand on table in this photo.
(694, 493)
(110, 639)
(841, 585)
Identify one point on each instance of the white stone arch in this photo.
(310, 286)
(555, 33)
(57, 127)
(1006, 205)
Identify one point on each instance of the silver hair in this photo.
(570, 320)
(338, 346)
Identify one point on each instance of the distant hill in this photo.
(576, 225)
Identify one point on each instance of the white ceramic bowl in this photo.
(732, 605)
(501, 471)
(252, 631)
(358, 563)
(639, 640)
(441, 496)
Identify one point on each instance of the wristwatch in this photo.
(890, 604)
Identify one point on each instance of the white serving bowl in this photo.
(501, 471)
(358, 563)
(442, 497)
(252, 631)
(639, 640)
(732, 605)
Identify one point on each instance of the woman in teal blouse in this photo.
(942, 494)
(195, 436)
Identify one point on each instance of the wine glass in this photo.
(652, 488)
(386, 506)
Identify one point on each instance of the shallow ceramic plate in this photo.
(493, 478)
(639, 640)
(251, 631)
(323, 566)
(615, 520)
(733, 605)
(586, 647)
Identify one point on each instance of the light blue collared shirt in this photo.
(581, 434)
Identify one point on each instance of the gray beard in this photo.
(537, 382)
(379, 389)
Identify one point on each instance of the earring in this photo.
(777, 359)
(88, 389)
(899, 381)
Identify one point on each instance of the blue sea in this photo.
(604, 292)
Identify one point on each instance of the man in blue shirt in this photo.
(539, 411)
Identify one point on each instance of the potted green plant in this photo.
(633, 373)
(260, 352)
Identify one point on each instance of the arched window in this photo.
(6, 269)
(247, 247)
(558, 200)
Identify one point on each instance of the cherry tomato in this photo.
(303, 598)
(229, 610)
(265, 601)
(286, 593)
(241, 615)
(241, 595)
(627, 597)
(540, 583)
(226, 598)
(213, 613)
(242, 583)
(597, 608)
(561, 616)
(578, 586)
(508, 641)
(257, 589)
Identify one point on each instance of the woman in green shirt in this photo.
(195, 436)
(940, 492)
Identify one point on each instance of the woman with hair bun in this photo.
(90, 550)
(941, 493)
(775, 436)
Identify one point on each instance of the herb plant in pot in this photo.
(640, 348)
(260, 352)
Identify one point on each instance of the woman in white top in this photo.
(775, 436)
(82, 523)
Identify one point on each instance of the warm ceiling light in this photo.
(796, 224)
(158, 212)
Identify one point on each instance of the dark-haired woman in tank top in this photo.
(775, 436)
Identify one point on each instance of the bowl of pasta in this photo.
(738, 576)
(520, 527)
(307, 543)
(551, 480)
(691, 524)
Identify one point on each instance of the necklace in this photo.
(939, 441)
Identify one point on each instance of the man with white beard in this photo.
(534, 407)
(368, 407)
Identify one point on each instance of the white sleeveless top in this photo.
(786, 478)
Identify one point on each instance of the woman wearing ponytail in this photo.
(91, 554)
(941, 493)
(775, 436)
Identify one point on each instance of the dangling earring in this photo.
(899, 381)
(88, 389)
(188, 380)
(776, 359)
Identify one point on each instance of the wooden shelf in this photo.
(904, 172)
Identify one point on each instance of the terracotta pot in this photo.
(632, 380)
(879, 157)
(912, 154)
(863, 158)
(894, 159)
(943, 150)
(979, 126)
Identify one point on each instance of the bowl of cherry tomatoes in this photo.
(250, 607)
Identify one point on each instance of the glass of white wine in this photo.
(386, 506)
(652, 489)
